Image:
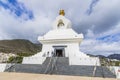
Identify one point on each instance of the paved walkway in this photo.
(28, 76)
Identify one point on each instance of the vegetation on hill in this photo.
(19, 46)
(111, 60)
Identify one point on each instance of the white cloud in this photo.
(90, 34)
(104, 20)
(4, 35)
(17, 28)
(92, 46)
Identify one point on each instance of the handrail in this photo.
(48, 66)
(53, 64)
(95, 68)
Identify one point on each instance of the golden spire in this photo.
(62, 12)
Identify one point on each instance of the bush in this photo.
(117, 63)
(25, 54)
(17, 59)
(114, 63)
(10, 59)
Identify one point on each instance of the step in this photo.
(61, 67)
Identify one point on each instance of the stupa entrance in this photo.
(59, 51)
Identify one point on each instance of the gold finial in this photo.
(62, 12)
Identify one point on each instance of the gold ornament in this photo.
(62, 12)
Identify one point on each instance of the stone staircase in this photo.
(60, 66)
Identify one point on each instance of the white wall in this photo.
(84, 61)
(71, 47)
(75, 56)
(72, 51)
(115, 70)
(2, 67)
(33, 60)
(49, 48)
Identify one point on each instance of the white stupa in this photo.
(62, 41)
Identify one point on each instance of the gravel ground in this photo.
(28, 76)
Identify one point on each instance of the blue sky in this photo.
(17, 8)
(98, 20)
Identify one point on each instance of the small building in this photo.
(62, 41)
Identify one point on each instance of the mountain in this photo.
(101, 56)
(111, 56)
(17, 46)
(114, 56)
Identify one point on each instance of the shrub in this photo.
(17, 59)
(25, 54)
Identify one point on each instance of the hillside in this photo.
(114, 56)
(17, 46)
(111, 56)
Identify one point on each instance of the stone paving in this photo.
(28, 76)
